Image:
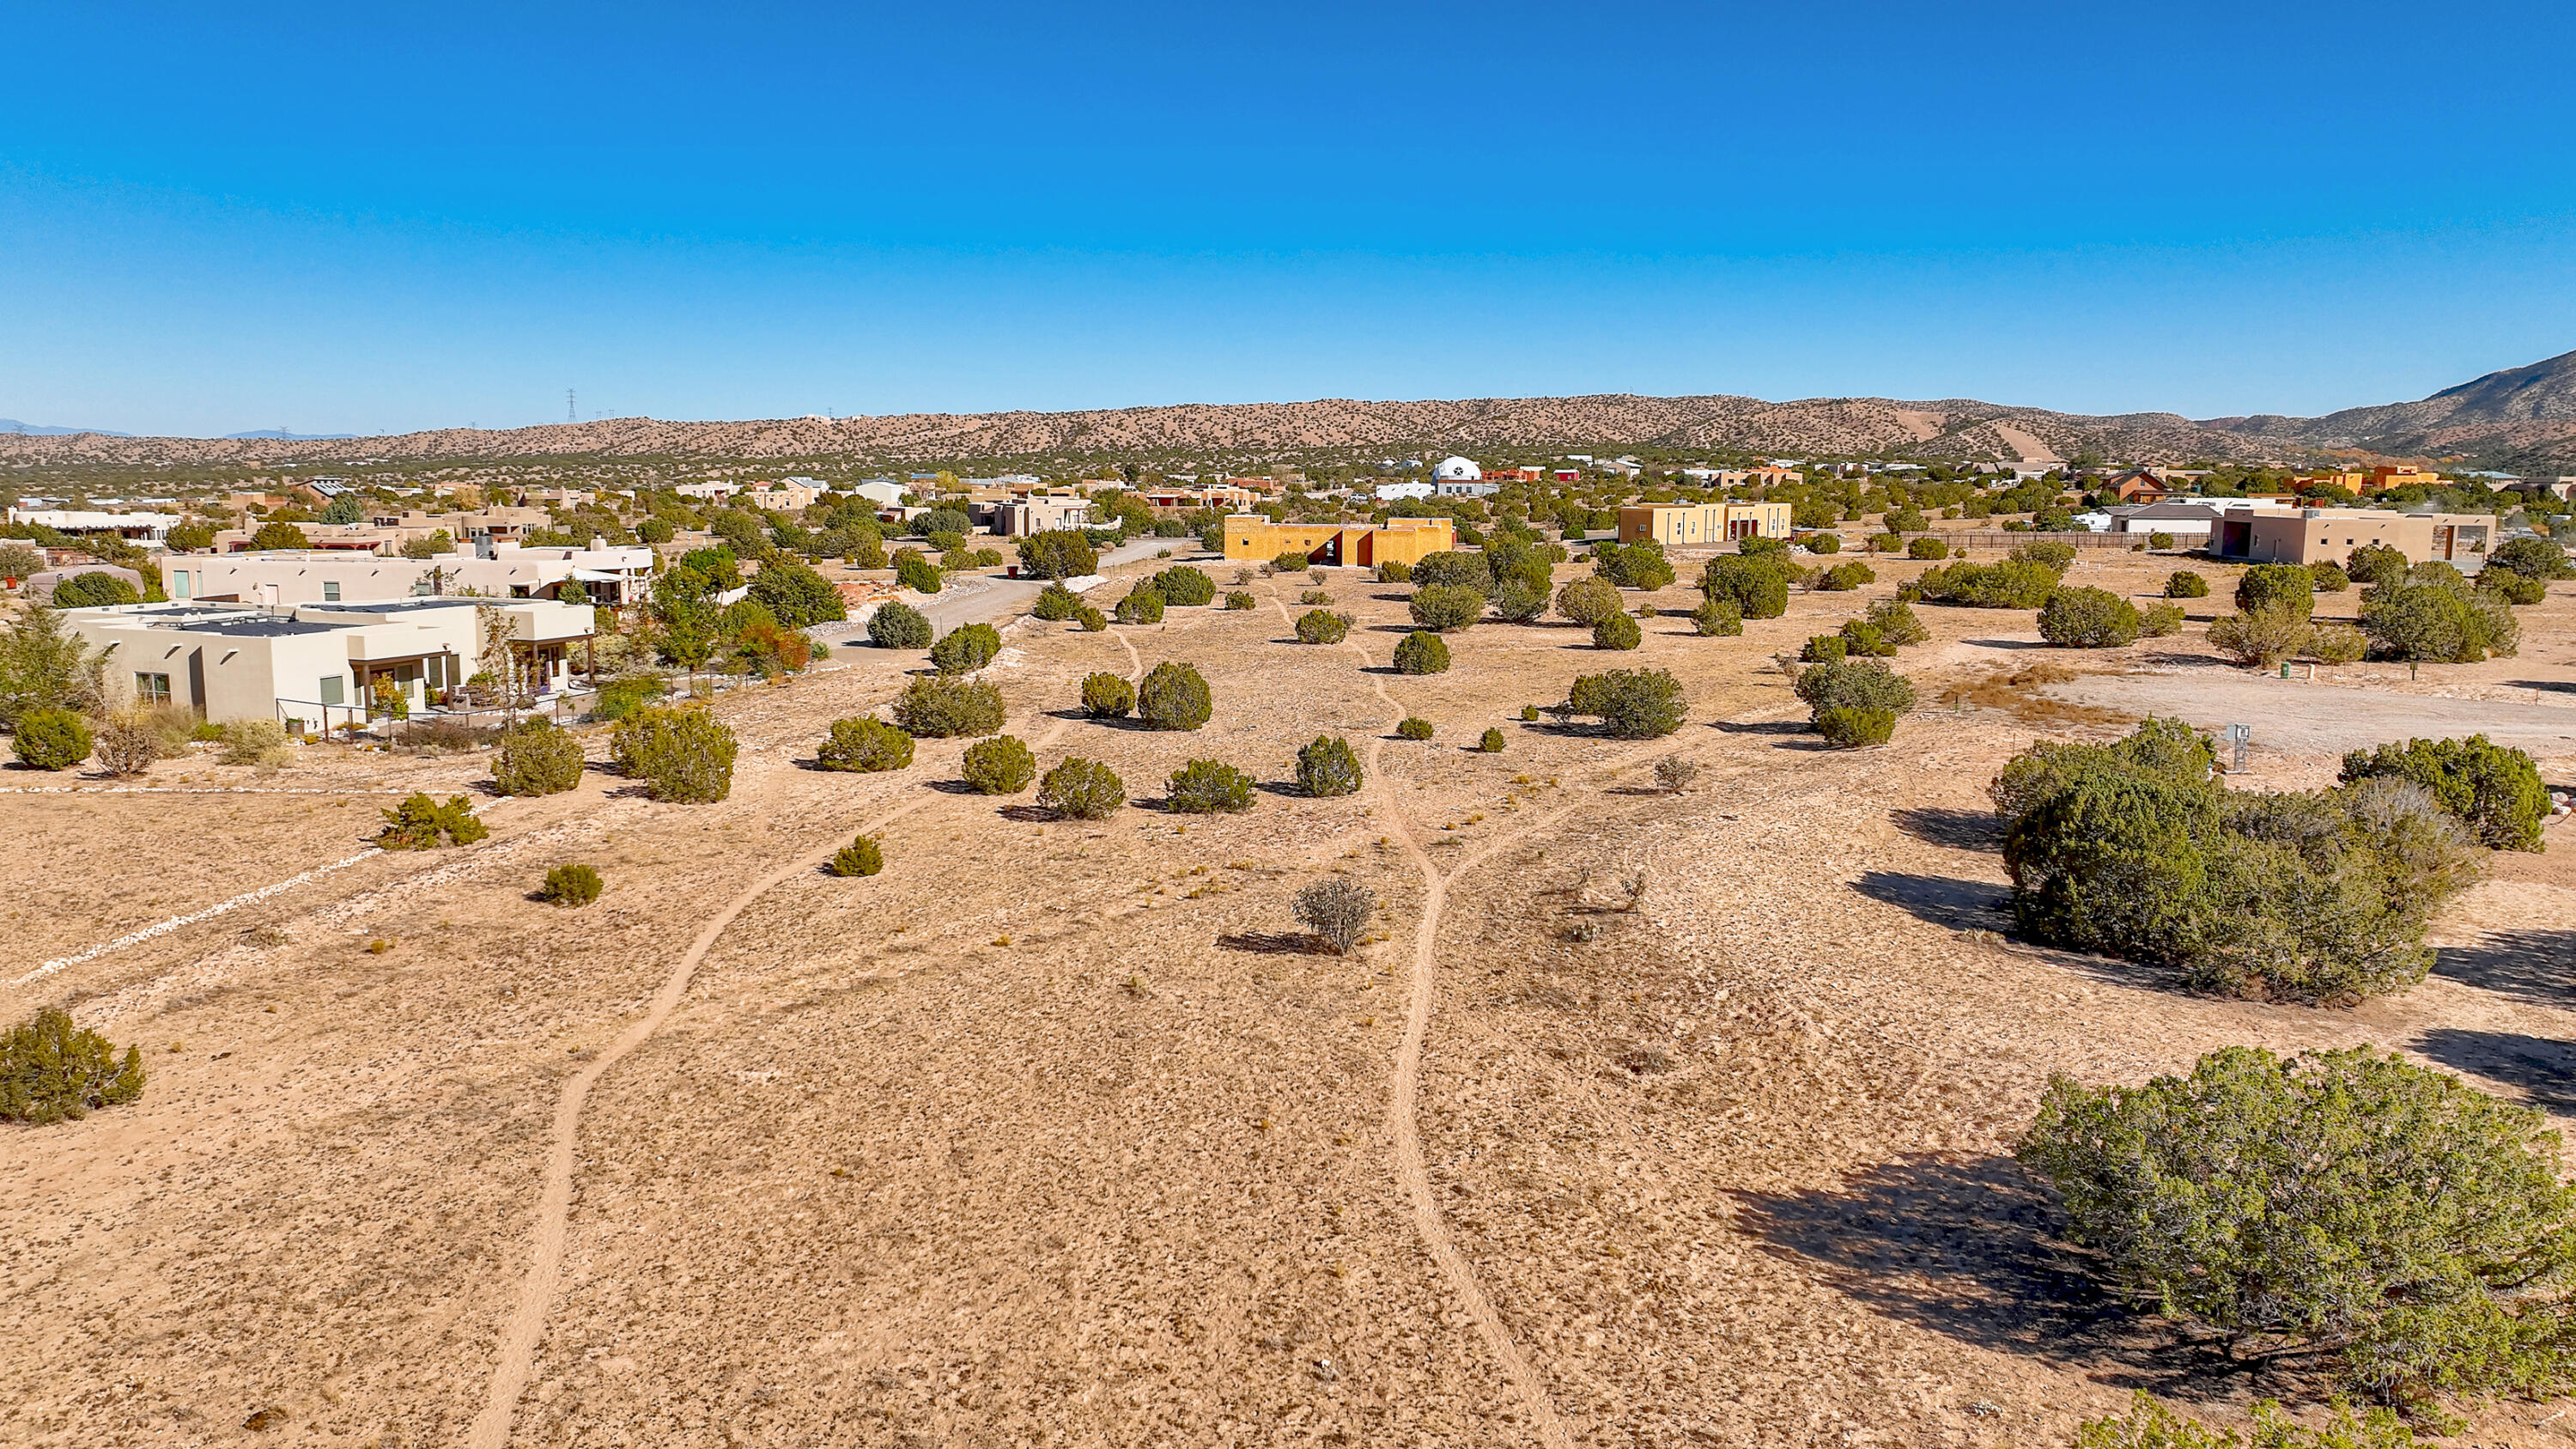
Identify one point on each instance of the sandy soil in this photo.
(1646, 1119)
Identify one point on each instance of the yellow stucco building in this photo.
(1251, 537)
(1685, 524)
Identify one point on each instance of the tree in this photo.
(1058, 554)
(18, 562)
(947, 707)
(2008, 585)
(1206, 787)
(1001, 765)
(1107, 696)
(438, 542)
(1173, 696)
(1454, 568)
(1518, 601)
(1183, 585)
(95, 589)
(1640, 565)
(796, 596)
(653, 531)
(1632, 704)
(2436, 622)
(2088, 619)
(1619, 631)
(916, 573)
(898, 625)
(2184, 584)
(2413, 1232)
(51, 739)
(685, 754)
(421, 823)
(1716, 617)
(1328, 767)
(2260, 638)
(942, 520)
(2495, 790)
(1056, 603)
(863, 745)
(1081, 789)
(2376, 563)
(1926, 547)
(2047, 553)
(2290, 586)
(1843, 578)
(1291, 561)
(2537, 559)
(344, 509)
(2330, 578)
(1756, 585)
(535, 758)
(966, 648)
(1896, 623)
(1589, 601)
(1421, 652)
(1446, 607)
(1337, 911)
(1143, 605)
(189, 537)
(279, 535)
(1854, 701)
(52, 1071)
(572, 884)
(45, 665)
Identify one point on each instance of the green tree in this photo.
(1589, 601)
(535, 758)
(1141, 606)
(422, 823)
(2437, 622)
(93, 590)
(1446, 607)
(2088, 619)
(1206, 787)
(796, 596)
(2184, 584)
(572, 884)
(279, 535)
(2289, 586)
(1632, 704)
(193, 536)
(966, 648)
(1173, 696)
(684, 754)
(864, 745)
(1454, 569)
(1081, 789)
(1001, 765)
(898, 625)
(2494, 789)
(1107, 696)
(948, 707)
(345, 509)
(51, 739)
(2537, 559)
(1327, 767)
(1183, 585)
(916, 573)
(1421, 652)
(1755, 585)
(1716, 617)
(1619, 631)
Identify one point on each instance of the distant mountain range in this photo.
(39, 430)
(2523, 419)
(281, 435)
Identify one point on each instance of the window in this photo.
(330, 591)
(152, 688)
(331, 688)
(179, 580)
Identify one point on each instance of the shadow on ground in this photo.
(1952, 829)
(2543, 1068)
(1967, 1248)
(1940, 900)
(2536, 966)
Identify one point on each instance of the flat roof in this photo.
(259, 628)
(404, 606)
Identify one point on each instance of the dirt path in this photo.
(2034, 453)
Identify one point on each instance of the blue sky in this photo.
(355, 218)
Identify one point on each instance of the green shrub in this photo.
(535, 758)
(2184, 584)
(966, 648)
(1413, 727)
(1589, 601)
(1444, 607)
(2160, 540)
(916, 573)
(94, 590)
(1885, 542)
(941, 707)
(1518, 601)
(2150, 1425)
(2407, 1230)
(1862, 640)
(1293, 561)
(1141, 606)
(1825, 649)
(2494, 789)
(1906, 518)
(2133, 851)
(2011, 585)
(1926, 547)
(1454, 569)
(685, 753)
(2437, 622)
(865, 746)
(574, 884)
(1640, 565)
(862, 856)
(1762, 547)
(2512, 587)
(1855, 692)
(1107, 696)
(898, 625)
(2157, 621)
(1315, 596)
(51, 739)
(254, 742)
(2375, 563)
(1896, 623)
(2261, 638)
(1394, 571)
(1238, 599)
(999, 766)
(1081, 789)
(2291, 586)
(1716, 617)
(1825, 543)
(2537, 559)
(1843, 578)
(1328, 767)
(1056, 603)
(796, 596)
(1617, 632)
(1755, 585)
(421, 823)
(52, 1071)
(619, 698)
(1632, 704)
(1092, 620)
(1058, 554)
(1207, 787)
(1850, 728)
(1421, 652)
(1173, 696)
(1183, 585)
(1491, 742)
(1529, 713)
(2088, 619)
(2047, 553)
(2336, 643)
(2330, 578)
(1323, 626)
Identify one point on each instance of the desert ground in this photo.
(1644, 1119)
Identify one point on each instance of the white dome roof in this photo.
(1458, 468)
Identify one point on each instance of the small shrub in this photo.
(1896, 623)
(1589, 601)
(1632, 704)
(862, 856)
(686, 754)
(126, 743)
(1092, 620)
(2047, 553)
(865, 746)
(570, 885)
(1843, 578)
(1338, 911)
(1315, 596)
(1885, 542)
(1926, 547)
(1081, 789)
(1107, 696)
(1413, 727)
(2158, 621)
(1328, 767)
(1294, 561)
(916, 573)
(2160, 540)
(2088, 619)
(942, 707)
(619, 698)
(2336, 643)
(1519, 601)
(421, 823)
(2261, 638)
(1618, 632)
(52, 1071)
(2014, 584)
(1208, 787)
(2290, 586)
(1825, 543)
(1421, 652)
(1491, 742)
(1173, 696)
(898, 625)
(1394, 572)
(254, 742)
(1001, 765)
(1862, 640)
(1674, 774)
(2184, 584)
(1238, 599)
(1529, 713)
(2537, 559)
(1851, 728)
(1824, 649)
(1444, 607)
(1717, 617)
(967, 648)
(2494, 789)
(535, 758)
(1755, 584)
(1141, 606)
(2512, 587)
(52, 739)
(1183, 585)
(2375, 563)
(1056, 603)
(2330, 578)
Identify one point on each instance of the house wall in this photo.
(1702, 524)
(1250, 536)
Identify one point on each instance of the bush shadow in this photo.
(1030, 814)
(1939, 900)
(2544, 1069)
(1951, 829)
(1761, 727)
(2553, 686)
(2534, 966)
(1272, 943)
(1967, 1248)
(2008, 643)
